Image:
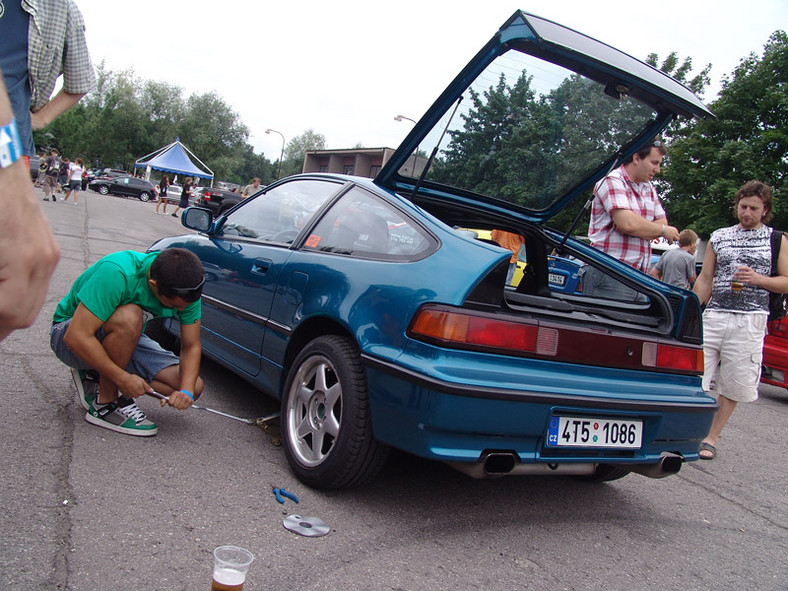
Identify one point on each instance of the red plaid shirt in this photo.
(617, 191)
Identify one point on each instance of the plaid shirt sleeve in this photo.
(57, 45)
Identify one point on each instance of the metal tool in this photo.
(279, 493)
(217, 412)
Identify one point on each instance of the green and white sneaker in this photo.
(123, 416)
(87, 383)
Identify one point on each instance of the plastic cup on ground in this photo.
(230, 565)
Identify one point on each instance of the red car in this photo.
(775, 354)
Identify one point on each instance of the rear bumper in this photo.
(462, 421)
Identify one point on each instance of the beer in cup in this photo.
(230, 565)
(736, 285)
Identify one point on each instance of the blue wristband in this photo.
(10, 145)
(189, 394)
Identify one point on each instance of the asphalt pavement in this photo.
(86, 509)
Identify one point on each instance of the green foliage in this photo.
(670, 66)
(710, 159)
(529, 149)
(126, 118)
(293, 161)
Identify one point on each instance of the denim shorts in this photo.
(148, 359)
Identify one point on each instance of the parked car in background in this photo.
(105, 173)
(377, 324)
(175, 191)
(127, 186)
(775, 354)
(218, 200)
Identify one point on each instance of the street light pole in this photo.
(281, 154)
(401, 117)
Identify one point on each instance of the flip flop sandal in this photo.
(709, 448)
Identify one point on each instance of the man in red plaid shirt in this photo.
(626, 215)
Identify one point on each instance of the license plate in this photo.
(556, 279)
(590, 432)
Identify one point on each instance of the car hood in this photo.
(538, 116)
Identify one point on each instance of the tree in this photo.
(126, 118)
(297, 148)
(671, 67)
(710, 159)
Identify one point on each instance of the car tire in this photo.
(145, 196)
(103, 189)
(325, 421)
(605, 473)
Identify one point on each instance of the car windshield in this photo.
(527, 131)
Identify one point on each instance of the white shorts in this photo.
(732, 352)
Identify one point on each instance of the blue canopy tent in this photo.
(174, 158)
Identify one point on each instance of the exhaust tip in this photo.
(672, 464)
(668, 464)
(500, 463)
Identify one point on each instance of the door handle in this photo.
(261, 266)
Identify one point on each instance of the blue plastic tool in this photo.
(280, 493)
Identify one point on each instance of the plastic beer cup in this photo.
(736, 285)
(230, 565)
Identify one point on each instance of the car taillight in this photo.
(483, 331)
(663, 356)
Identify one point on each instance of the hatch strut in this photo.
(423, 174)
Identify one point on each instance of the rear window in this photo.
(527, 132)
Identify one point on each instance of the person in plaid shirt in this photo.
(626, 215)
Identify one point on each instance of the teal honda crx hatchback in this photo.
(380, 323)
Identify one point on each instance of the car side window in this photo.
(360, 224)
(279, 214)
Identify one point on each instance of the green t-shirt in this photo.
(117, 279)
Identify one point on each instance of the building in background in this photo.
(365, 162)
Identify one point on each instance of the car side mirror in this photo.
(197, 218)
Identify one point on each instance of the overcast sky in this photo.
(345, 68)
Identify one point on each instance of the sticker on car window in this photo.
(313, 241)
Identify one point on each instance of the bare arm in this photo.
(628, 222)
(59, 104)
(703, 283)
(81, 339)
(28, 250)
(191, 353)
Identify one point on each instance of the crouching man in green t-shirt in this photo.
(98, 328)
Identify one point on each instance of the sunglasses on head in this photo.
(185, 292)
(657, 143)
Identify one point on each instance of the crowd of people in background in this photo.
(60, 175)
